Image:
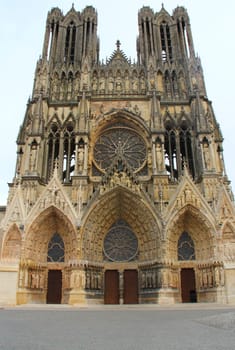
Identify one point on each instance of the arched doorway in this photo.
(186, 253)
(55, 254)
(191, 248)
(50, 243)
(120, 233)
(121, 247)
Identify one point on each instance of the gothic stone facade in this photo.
(120, 193)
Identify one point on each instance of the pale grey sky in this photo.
(22, 29)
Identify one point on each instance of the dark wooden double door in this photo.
(112, 287)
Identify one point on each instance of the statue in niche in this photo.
(206, 154)
(111, 83)
(118, 84)
(94, 84)
(128, 106)
(85, 79)
(182, 86)
(70, 88)
(159, 160)
(77, 84)
(62, 88)
(33, 157)
(142, 83)
(80, 158)
(55, 88)
(135, 84)
(137, 110)
(127, 83)
(102, 84)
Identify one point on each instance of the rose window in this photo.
(120, 243)
(123, 144)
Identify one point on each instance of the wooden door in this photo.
(54, 287)
(130, 287)
(111, 288)
(188, 286)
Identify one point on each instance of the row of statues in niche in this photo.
(211, 277)
(67, 88)
(32, 278)
(155, 278)
(174, 86)
(89, 279)
(118, 84)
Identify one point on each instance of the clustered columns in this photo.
(185, 37)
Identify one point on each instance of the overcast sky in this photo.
(22, 29)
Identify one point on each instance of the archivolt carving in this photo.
(12, 244)
(120, 204)
(190, 220)
(38, 235)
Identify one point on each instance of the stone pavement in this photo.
(124, 327)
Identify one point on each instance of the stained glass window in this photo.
(55, 249)
(186, 249)
(120, 243)
(121, 143)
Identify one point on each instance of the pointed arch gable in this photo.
(191, 220)
(71, 16)
(70, 119)
(41, 231)
(228, 231)
(54, 120)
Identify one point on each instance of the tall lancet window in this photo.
(183, 36)
(179, 151)
(69, 51)
(69, 153)
(166, 44)
(53, 148)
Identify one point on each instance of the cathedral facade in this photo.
(119, 193)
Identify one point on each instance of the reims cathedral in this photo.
(119, 194)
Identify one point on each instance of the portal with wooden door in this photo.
(121, 287)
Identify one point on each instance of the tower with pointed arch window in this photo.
(120, 193)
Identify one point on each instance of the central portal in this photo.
(114, 287)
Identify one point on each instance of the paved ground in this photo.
(180, 327)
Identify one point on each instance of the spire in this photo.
(118, 44)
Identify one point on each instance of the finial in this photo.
(162, 5)
(73, 5)
(118, 44)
